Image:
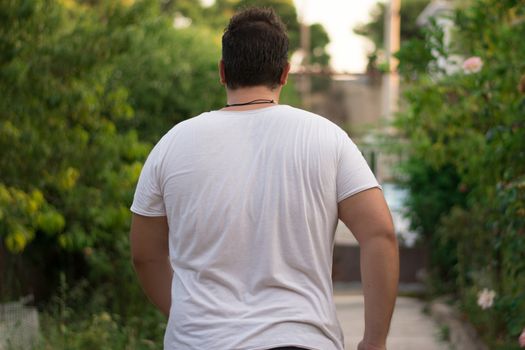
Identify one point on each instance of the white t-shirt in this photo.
(251, 202)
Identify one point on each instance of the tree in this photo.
(85, 90)
(374, 29)
(318, 41)
(465, 165)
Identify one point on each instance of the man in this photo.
(235, 212)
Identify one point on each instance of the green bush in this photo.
(466, 161)
(85, 90)
(65, 325)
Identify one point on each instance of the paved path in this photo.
(411, 329)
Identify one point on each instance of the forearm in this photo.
(155, 278)
(379, 275)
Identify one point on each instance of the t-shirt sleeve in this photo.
(353, 173)
(148, 199)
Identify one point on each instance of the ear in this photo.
(284, 74)
(221, 72)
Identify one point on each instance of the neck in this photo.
(243, 95)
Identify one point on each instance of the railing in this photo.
(19, 325)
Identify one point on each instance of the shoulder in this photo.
(184, 127)
(311, 117)
(187, 124)
(321, 123)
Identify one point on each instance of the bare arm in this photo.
(150, 254)
(366, 214)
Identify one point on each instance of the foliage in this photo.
(466, 161)
(84, 92)
(416, 56)
(65, 326)
(319, 39)
(86, 89)
(375, 28)
(409, 11)
(433, 191)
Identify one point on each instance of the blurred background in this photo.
(433, 93)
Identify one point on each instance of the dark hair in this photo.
(254, 48)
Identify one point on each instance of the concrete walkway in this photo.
(411, 329)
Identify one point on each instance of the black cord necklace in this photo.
(254, 102)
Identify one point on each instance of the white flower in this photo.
(472, 65)
(486, 298)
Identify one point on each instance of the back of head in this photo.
(254, 49)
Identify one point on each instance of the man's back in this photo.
(251, 201)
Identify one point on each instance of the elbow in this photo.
(389, 235)
(139, 260)
(386, 235)
(146, 260)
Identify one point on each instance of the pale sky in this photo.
(348, 51)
